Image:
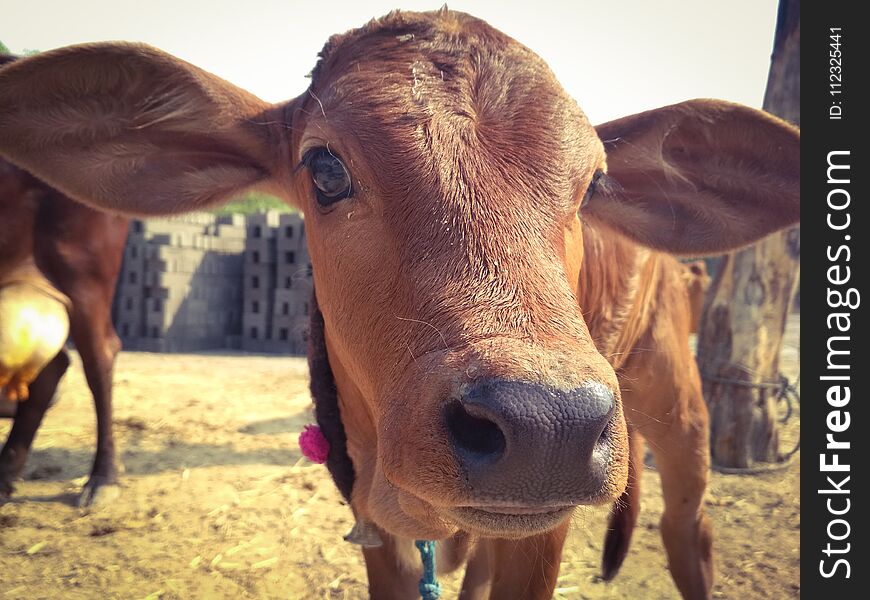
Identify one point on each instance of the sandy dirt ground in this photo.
(218, 503)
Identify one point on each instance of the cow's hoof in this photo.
(99, 493)
(6, 488)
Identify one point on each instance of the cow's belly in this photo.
(34, 324)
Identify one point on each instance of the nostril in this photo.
(596, 407)
(598, 402)
(474, 435)
(607, 432)
(601, 402)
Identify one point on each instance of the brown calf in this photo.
(77, 251)
(494, 303)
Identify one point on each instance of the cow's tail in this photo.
(624, 513)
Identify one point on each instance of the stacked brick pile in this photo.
(180, 285)
(277, 285)
(259, 282)
(202, 281)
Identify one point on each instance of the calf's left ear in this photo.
(699, 177)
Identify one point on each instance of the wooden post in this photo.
(746, 307)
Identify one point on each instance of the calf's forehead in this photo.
(470, 157)
(441, 105)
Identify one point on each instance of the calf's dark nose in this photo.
(524, 444)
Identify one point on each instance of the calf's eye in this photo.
(593, 185)
(331, 178)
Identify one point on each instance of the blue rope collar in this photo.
(430, 589)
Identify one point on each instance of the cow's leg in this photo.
(662, 400)
(392, 572)
(478, 573)
(28, 417)
(623, 515)
(80, 251)
(527, 568)
(680, 444)
(97, 344)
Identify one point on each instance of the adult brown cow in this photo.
(69, 251)
(485, 263)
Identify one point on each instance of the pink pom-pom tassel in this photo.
(314, 445)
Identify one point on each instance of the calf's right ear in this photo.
(128, 128)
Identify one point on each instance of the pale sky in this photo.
(616, 57)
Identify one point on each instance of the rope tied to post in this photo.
(785, 391)
(430, 589)
(784, 388)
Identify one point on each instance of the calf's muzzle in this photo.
(523, 444)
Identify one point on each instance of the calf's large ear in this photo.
(699, 177)
(128, 128)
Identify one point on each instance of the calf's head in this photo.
(445, 176)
